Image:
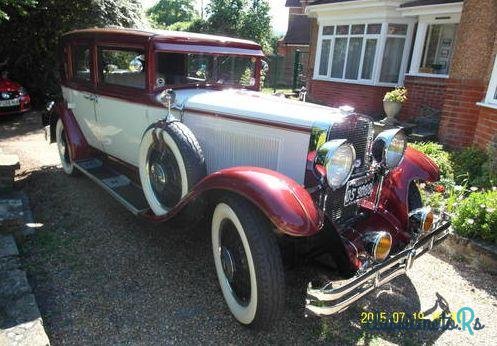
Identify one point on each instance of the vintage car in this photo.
(14, 99)
(174, 126)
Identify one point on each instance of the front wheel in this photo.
(248, 262)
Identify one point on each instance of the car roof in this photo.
(179, 37)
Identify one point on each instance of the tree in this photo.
(17, 5)
(30, 38)
(169, 12)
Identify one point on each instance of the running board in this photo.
(118, 185)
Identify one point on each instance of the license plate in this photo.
(358, 189)
(9, 103)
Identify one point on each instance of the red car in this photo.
(14, 99)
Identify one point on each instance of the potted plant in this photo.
(392, 103)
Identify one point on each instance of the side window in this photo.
(81, 63)
(122, 67)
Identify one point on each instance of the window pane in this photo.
(328, 30)
(358, 29)
(397, 29)
(123, 67)
(353, 58)
(438, 48)
(368, 63)
(374, 29)
(81, 63)
(325, 56)
(392, 59)
(342, 30)
(338, 57)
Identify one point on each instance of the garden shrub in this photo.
(476, 216)
(442, 158)
(471, 166)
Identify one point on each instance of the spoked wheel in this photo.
(170, 164)
(63, 149)
(248, 262)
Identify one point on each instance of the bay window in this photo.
(351, 52)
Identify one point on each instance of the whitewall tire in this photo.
(170, 164)
(247, 262)
(63, 149)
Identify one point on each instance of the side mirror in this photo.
(49, 106)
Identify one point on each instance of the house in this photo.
(296, 39)
(443, 51)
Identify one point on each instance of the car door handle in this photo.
(90, 97)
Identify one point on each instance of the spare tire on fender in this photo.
(171, 162)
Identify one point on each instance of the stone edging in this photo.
(476, 253)
(20, 318)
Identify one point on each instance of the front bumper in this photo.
(330, 299)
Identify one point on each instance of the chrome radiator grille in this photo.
(359, 132)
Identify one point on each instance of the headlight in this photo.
(337, 157)
(389, 147)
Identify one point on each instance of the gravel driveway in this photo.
(102, 276)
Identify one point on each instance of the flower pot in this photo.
(392, 109)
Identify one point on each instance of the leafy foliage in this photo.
(476, 216)
(171, 12)
(398, 95)
(472, 166)
(14, 5)
(31, 37)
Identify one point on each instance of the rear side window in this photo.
(122, 67)
(81, 63)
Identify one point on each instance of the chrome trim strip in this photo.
(328, 300)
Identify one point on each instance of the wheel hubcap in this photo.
(227, 262)
(234, 262)
(158, 175)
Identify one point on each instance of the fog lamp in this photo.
(421, 220)
(378, 244)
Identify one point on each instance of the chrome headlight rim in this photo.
(325, 155)
(383, 143)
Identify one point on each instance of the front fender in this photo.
(394, 194)
(284, 202)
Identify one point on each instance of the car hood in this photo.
(8, 85)
(258, 106)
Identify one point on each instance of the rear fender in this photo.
(394, 194)
(284, 202)
(77, 142)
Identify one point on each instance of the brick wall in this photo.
(422, 91)
(486, 128)
(364, 98)
(460, 112)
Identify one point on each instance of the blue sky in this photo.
(279, 13)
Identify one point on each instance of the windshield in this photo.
(176, 69)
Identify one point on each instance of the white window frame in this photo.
(491, 98)
(380, 47)
(417, 53)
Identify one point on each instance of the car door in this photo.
(79, 93)
(121, 107)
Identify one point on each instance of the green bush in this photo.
(442, 158)
(471, 166)
(476, 216)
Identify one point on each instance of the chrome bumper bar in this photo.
(329, 299)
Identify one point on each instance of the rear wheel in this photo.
(247, 261)
(63, 149)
